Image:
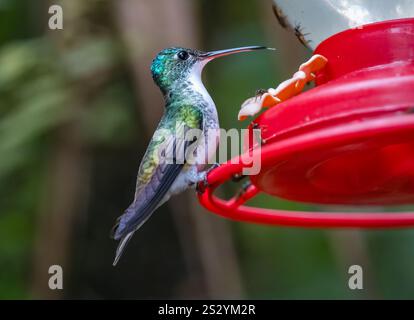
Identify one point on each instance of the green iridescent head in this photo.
(173, 64)
(177, 64)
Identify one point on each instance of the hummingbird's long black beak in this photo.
(220, 53)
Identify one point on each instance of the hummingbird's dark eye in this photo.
(183, 55)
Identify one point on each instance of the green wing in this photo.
(173, 126)
(156, 175)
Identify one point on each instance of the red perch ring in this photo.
(348, 141)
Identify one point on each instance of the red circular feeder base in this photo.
(349, 141)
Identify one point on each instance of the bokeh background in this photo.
(77, 108)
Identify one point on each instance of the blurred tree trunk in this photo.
(67, 186)
(66, 190)
(147, 27)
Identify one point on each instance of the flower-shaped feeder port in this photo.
(348, 141)
(284, 91)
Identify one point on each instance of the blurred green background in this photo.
(77, 108)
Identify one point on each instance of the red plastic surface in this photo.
(349, 141)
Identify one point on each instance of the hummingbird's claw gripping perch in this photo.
(203, 184)
(285, 90)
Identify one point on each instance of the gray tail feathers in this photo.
(133, 218)
(121, 247)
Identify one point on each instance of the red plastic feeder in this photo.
(349, 141)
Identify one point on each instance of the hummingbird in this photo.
(188, 106)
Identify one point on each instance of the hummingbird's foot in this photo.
(203, 184)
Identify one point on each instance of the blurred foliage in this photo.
(41, 92)
(44, 89)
